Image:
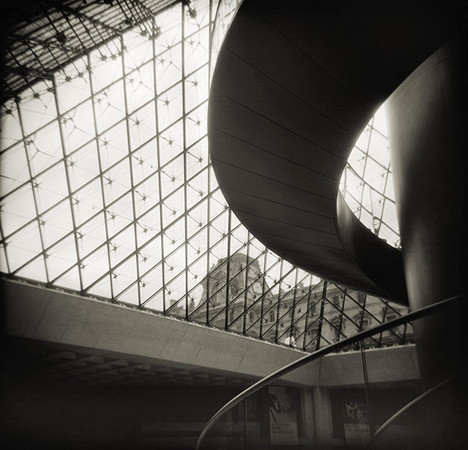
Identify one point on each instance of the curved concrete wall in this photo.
(427, 122)
(427, 129)
(293, 88)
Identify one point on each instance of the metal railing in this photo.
(423, 312)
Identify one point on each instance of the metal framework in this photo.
(367, 183)
(107, 187)
(64, 31)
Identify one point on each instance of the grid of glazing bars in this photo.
(367, 183)
(59, 32)
(108, 191)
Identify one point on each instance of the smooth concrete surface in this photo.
(48, 315)
(39, 409)
(384, 365)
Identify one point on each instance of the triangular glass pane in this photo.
(171, 143)
(142, 125)
(148, 226)
(174, 264)
(72, 85)
(197, 188)
(172, 176)
(10, 126)
(173, 237)
(61, 256)
(169, 106)
(56, 223)
(24, 246)
(150, 255)
(70, 280)
(195, 124)
(35, 270)
(119, 214)
(173, 207)
(94, 266)
(83, 166)
(196, 246)
(139, 46)
(129, 296)
(145, 161)
(169, 22)
(151, 283)
(14, 168)
(196, 218)
(197, 49)
(197, 157)
(51, 187)
(219, 250)
(147, 195)
(168, 67)
(37, 106)
(156, 303)
(78, 126)
(102, 288)
(140, 86)
(122, 245)
(91, 235)
(44, 148)
(124, 276)
(105, 68)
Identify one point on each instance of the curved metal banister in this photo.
(411, 404)
(422, 312)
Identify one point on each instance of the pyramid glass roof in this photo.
(107, 189)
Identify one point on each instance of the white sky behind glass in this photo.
(106, 183)
(107, 187)
(367, 182)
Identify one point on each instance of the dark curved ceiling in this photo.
(293, 88)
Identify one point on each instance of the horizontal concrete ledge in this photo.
(48, 315)
(384, 365)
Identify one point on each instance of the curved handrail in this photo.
(411, 404)
(422, 312)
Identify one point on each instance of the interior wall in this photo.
(41, 413)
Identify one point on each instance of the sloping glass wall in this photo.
(107, 188)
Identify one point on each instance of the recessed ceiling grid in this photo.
(107, 189)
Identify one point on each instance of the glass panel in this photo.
(339, 397)
(114, 194)
(366, 182)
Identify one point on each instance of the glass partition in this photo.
(335, 398)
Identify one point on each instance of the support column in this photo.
(427, 129)
(323, 417)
